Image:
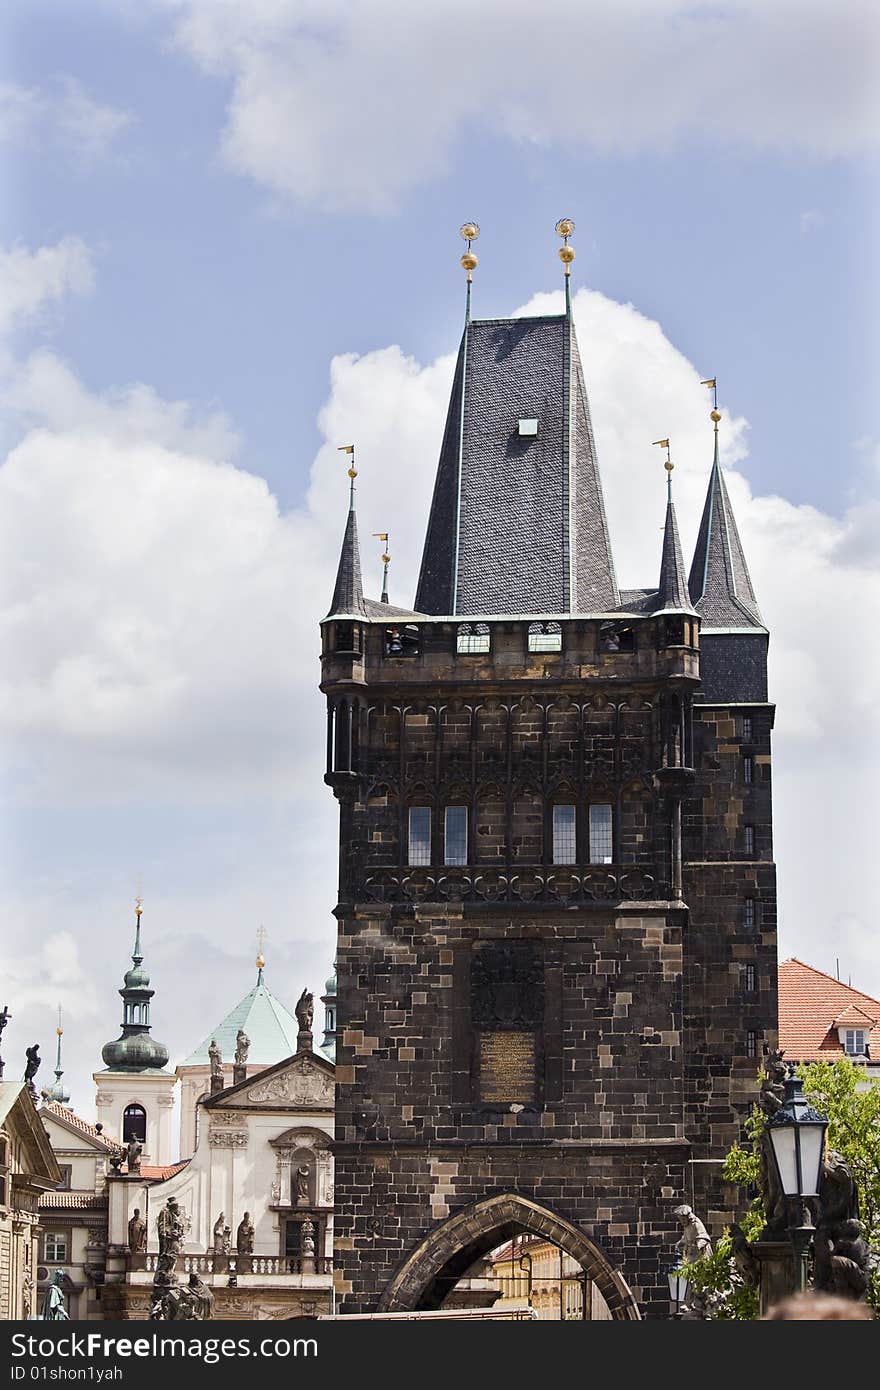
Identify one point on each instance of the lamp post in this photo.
(679, 1289)
(797, 1140)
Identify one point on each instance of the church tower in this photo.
(546, 1014)
(135, 1094)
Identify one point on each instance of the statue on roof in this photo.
(133, 1151)
(305, 1011)
(171, 1229)
(31, 1067)
(215, 1059)
(242, 1045)
(219, 1228)
(5, 1016)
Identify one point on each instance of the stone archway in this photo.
(440, 1260)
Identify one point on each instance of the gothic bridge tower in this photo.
(556, 950)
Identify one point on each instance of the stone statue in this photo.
(5, 1016)
(771, 1094)
(170, 1230)
(195, 1302)
(307, 1243)
(301, 1186)
(244, 1236)
(772, 1086)
(137, 1233)
(31, 1067)
(305, 1011)
(840, 1254)
(242, 1044)
(133, 1151)
(216, 1060)
(695, 1238)
(53, 1309)
(219, 1227)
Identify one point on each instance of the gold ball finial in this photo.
(669, 465)
(138, 909)
(715, 415)
(260, 962)
(564, 228)
(469, 261)
(59, 1031)
(566, 254)
(352, 473)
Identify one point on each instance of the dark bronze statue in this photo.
(305, 1011)
(840, 1254)
(771, 1095)
(5, 1016)
(32, 1065)
(244, 1236)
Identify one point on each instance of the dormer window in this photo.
(527, 429)
(855, 1041)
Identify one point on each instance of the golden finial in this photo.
(348, 449)
(386, 561)
(59, 1030)
(261, 941)
(469, 232)
(564, 228)
(138, 906)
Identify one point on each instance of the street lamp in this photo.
(797, 1139)
(679, 1288)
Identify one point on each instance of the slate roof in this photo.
(810, 1005)
(517, 525)
(271, 1027)
(720, 584)
(672, 591)
(348, 594)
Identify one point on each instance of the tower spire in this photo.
(348, 593)
(672, 590)
(135, 1050)
(720, 584)
(261, 960)
(57, 1093)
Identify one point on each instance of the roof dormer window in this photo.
(855, 1041)
(527, 429)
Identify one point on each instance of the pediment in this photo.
(303, 1082)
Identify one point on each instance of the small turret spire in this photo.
(348, 593)
(672, 590)
(720, 584)
(136, 1050)
(57, 1093)
(386, 561)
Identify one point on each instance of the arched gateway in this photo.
(439, 1261)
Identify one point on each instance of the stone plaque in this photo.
(507, 1068)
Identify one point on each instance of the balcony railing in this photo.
(211, 1263)
(555, 883)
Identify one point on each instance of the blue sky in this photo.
(229, 198)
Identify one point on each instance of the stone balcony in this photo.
(576, 885)
(244, 1271)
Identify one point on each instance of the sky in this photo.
(229, 244)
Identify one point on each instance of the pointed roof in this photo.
(68, 1119)
(720, 584)
(672, 591)
(271, 1028)
(348, 595)
(517, 521)
(812, 1007)
(19, 1115)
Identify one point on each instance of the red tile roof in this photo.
(160, 1172)
(74, 1201)
(74, 1121)
(810, 1005)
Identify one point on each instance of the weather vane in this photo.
(712, 383)
(352, 471)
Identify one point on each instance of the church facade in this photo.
(556, 920)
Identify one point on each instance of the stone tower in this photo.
(134, 1098)
(556, 942)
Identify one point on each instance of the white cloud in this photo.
(61, 116)
(32, 280)
(352, 105)
(158, 640)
